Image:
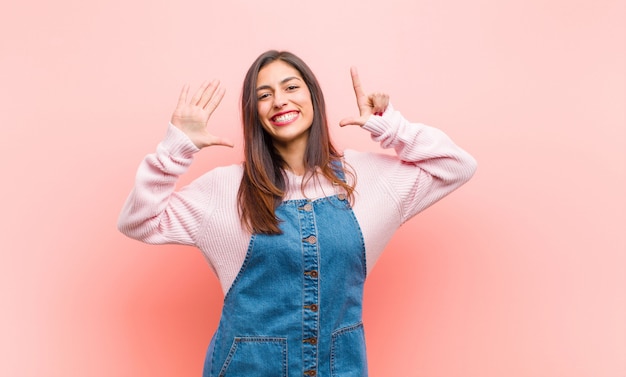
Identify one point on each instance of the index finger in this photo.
(356, 83)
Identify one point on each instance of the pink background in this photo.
(522, 272)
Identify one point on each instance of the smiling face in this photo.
(284, 104)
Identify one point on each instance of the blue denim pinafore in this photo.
(295, 307)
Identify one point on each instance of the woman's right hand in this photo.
(192, 116)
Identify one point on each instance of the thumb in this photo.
(211, 140)
(223, 141)
(352, 122)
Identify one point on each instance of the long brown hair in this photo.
(263, 184)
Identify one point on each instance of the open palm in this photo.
(192, 115)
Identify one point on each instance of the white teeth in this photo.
(285, 117)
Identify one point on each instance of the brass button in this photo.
(310, 373)
(310, 341)
(312, 274)
(308, 207)
(341, 196)
(311, 239)
(313, 307)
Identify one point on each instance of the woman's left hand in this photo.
(375, 103)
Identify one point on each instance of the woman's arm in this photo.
(154, 212)
(428, 165)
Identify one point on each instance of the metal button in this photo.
(311, 307)
(341, 196)
(310, 341)
(311, 372)
(307, 207)
(311, 239)
(312, 274)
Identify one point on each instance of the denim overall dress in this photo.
(294, 309)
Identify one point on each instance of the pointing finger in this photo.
(356, 83)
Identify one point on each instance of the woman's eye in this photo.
(292, 87)
(263, 96)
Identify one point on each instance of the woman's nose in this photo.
(279, 100)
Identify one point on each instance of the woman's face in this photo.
(284, 104)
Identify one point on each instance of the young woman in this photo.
(293, 230)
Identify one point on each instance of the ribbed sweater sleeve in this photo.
(439, 165)
(391, 189)
(154, 213)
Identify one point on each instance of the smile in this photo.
(285, 117)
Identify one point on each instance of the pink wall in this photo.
(520, 273)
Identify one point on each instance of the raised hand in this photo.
(192, 116)
(375, 103)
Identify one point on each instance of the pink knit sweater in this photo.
(389, 191)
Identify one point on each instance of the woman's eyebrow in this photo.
(282, 82)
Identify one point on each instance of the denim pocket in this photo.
(347, 355)
(258, 356)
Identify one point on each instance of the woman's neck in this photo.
(293, 155)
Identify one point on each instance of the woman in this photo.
(292, 232)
